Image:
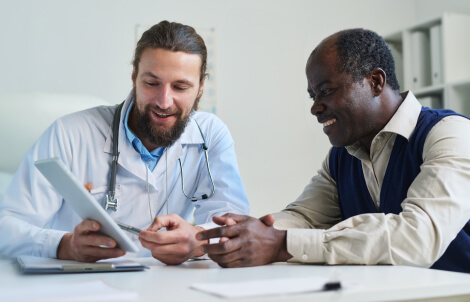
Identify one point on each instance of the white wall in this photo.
(86, 47)
(427, 9)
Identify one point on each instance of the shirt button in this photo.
(149, 161)
(304, 257)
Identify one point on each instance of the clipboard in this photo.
(39, 265)
(82, 201)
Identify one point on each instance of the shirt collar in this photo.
(403, 122)
(129, 134)
(150, 158)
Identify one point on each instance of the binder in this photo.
(435, 37)
(397, 54)
(433, 102)
(420, 59)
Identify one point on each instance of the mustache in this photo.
(157, 109)
(321, 118)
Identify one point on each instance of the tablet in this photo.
(38, 265)
(82, 201)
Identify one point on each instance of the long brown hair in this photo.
(172, 36)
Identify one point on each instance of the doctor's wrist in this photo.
(63, 250)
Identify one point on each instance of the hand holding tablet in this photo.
(83, 202)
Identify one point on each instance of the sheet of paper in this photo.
(95, 290)
(257, 288)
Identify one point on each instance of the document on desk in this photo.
(269, 287)
(94, 290)
(39, 265)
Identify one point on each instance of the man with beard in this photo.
(393, 188)
(161, 140)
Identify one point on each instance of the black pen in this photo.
(332, 285)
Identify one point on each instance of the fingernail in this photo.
(198, 236)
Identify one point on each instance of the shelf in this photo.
(430, 90)
(458, 96)
(432, 61)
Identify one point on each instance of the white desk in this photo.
(172, 283)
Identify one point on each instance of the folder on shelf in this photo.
(431, 101)
(420, 59)
(397, 52)
(435, 38)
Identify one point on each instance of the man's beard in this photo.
(158, 135)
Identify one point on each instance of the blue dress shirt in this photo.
(149, 158)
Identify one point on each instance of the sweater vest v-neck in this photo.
(403, 167)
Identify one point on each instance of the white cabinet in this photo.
(432, 59)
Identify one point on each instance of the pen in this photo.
(332, 285)
(129, 228)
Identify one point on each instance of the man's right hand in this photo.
(245, 241)
(86, 245)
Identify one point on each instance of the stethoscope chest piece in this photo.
(110, 203)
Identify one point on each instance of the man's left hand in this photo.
(175, 245)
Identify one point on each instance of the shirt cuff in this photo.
(305, 245)
(51, 244)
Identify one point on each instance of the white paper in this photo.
(256, 288)
(95, 290)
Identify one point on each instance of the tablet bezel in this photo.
(82, 201)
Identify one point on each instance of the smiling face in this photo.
(166, 91)
(345, 107)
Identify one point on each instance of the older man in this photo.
(393, 188)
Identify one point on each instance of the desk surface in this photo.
(172, 283)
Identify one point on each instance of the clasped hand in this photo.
(245, 241)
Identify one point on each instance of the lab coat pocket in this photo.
(99, 194)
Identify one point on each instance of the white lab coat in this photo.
(33, 217)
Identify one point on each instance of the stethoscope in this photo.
(111, 201)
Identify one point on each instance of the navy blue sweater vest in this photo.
(403, 167)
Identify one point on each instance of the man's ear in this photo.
(378, 80)
(134, 77)
(201, 88)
